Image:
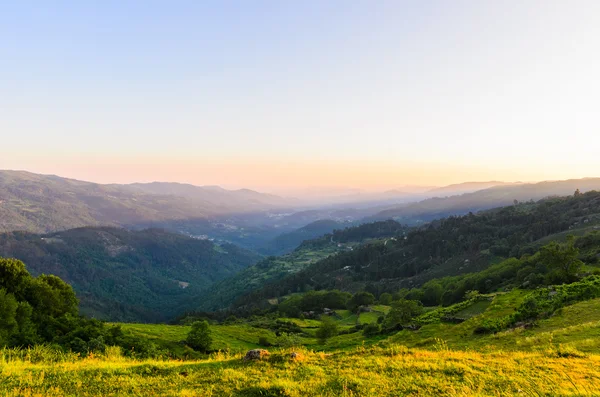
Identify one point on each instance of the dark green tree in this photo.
(8, 312)
(385, 298)
(563, 259)
(199, 338)
(361, 299)
(402, 312)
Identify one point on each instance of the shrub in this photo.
(371, 330)
(199, 337)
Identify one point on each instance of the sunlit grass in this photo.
(363, 371)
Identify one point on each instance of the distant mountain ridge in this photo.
(468, 187)
(45, 203)
(496, 196)
(213, 194)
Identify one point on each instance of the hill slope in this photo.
(46, 203)
(273, 269)
(124, 275)
(286, 242)
(448, 247)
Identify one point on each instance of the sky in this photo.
(284, 95)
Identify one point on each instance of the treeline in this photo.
(440, 248)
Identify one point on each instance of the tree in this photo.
(8, 312)
(14, 277)
(402, 312)
(199, 338)
(563, 259)
(371, 330)
(361, 299)
(327, 329)
(432, 293)
(385, 298)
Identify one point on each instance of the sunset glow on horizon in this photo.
(287, 96)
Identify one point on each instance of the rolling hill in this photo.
(274, 269)
(447, 247)
(287, 242)
(46, 203)
(498, 196)
(127, 275)
(465, 187)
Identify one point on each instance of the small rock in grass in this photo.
(256, 354)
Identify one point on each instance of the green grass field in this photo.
(559, 356)
(378, 371)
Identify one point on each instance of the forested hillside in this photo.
(275, 268)
(447, 247)
(127, 275)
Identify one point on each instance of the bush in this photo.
(371, 330)
(288, 341)
(199, 337)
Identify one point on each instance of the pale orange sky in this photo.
(290, 95)
(279, 175)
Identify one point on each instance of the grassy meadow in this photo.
(557, 357)
(392, 370)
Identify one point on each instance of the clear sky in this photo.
(281, 94)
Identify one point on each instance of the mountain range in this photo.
(492, 197)
(45, 203)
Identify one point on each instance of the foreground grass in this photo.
(375, 371)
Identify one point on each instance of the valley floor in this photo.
(375, 371)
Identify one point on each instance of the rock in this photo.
(256, 354)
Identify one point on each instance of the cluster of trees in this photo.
(44, 310)
(33, 309)
(432, 251)
(554, 263)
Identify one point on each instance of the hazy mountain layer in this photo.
(44, 203)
